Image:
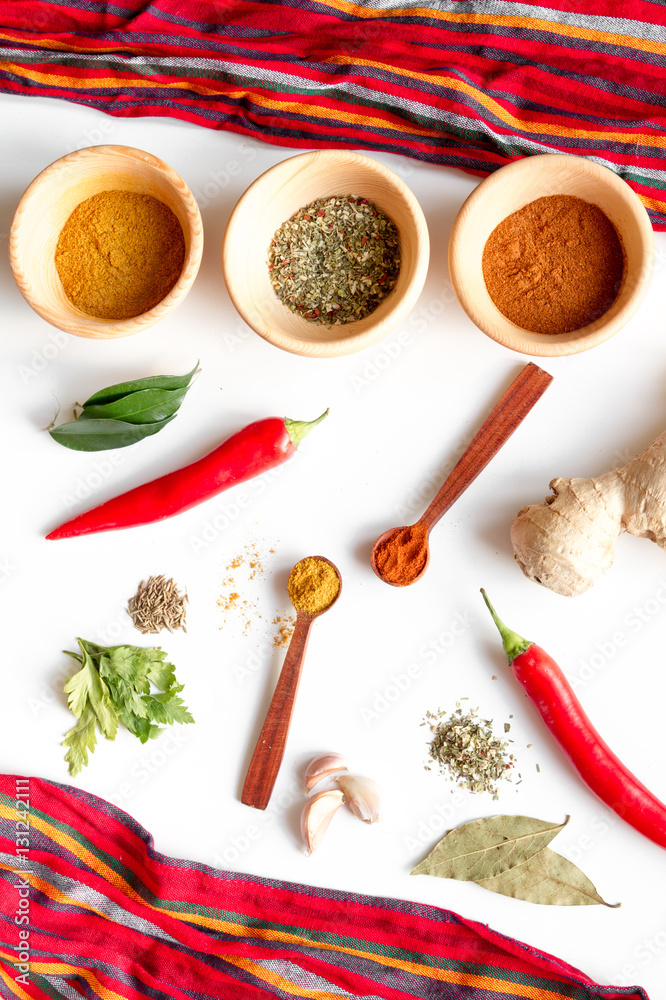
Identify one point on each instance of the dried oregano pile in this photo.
(465, 746)
(334, 260)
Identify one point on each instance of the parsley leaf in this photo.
(80, 739)
(114, 685)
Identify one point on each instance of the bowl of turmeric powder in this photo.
(551, 255)
(106, 241)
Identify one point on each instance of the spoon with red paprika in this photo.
(603, 772)
(400, 556)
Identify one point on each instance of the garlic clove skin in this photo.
(323, 766)
(363, 797)
(317, 814)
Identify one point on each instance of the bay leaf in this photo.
(99, 435)
(547, 878)
(113, 392)
(510, 855)
(485, 848)
(143, 407)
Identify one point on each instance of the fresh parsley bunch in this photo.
(133, 686)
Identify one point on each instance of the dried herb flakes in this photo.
(334, 260)
(464, 746)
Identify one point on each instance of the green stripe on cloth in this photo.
(471, 85)
(79, 921)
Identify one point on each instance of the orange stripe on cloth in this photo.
(517, 124)
(12, 983)
(54, 79)
(498, 20)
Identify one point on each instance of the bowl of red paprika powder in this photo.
(551, 255)
(106, 241)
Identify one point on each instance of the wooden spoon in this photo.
(269, 751)
(503, 420)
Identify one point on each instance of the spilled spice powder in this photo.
(230, 600)
(285, 630)
(237, 599)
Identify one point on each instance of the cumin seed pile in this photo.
(465, 746)
(158, 605)
(335, 260)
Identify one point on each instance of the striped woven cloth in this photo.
(89, 909)
(468, 83)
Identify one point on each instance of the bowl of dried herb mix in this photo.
(106, 241)
(551, 255)
(325, 253)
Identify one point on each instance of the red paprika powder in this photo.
(555, 265)
(401, 556)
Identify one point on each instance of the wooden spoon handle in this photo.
(504, 418)
(269, 751)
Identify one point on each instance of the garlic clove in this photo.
(317, 814)
(323, 766)
(363, 796)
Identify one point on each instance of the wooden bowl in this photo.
(508, 190)
(272, 199)
(49, 201)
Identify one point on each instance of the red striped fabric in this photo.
(457, 82)
(89, 908)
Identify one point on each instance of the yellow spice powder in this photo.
(119, 254)
(313, 585)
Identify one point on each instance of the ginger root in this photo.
(568, 542)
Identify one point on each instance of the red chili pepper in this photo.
(598, 766)
(255, 449)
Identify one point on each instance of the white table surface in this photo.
(401, 412)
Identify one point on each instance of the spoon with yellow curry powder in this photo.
(400, 556)
(313, 587)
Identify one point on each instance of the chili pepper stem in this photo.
(513, 643)
(298, 429)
